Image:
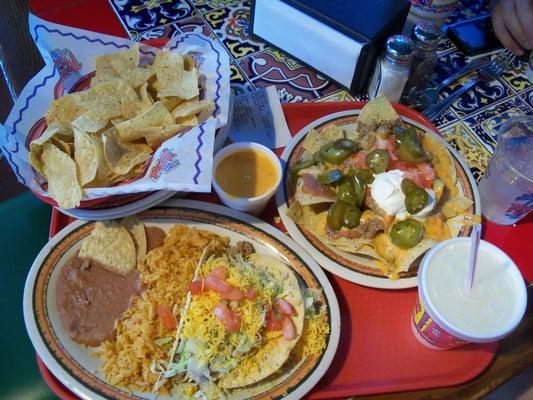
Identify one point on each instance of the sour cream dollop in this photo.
(386, 190)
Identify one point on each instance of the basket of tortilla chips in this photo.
(369, 195)
(109, 117)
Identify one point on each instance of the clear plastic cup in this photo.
(506, 189)
(448, 314)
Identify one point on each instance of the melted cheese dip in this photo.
(246, 173)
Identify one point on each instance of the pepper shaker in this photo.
(392, 69)
(425, 36)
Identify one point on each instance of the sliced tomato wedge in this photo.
(196, 287)
(401, 165)
(414, 175)
(166, 316)
(250, 294)
(220, 272)
(359, 159)
(284, 307)
(233, 294)
(427, 174)
(289, 330)
(230, 320)
(216, 284)
(273, 322)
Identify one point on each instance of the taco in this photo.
(385, 192)
(244, 318)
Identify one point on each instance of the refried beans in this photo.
(90, 298)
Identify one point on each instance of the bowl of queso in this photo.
(246, 175)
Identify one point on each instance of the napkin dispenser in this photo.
(340, 38)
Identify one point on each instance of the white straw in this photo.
(476, 237)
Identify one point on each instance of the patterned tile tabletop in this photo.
(470, 125)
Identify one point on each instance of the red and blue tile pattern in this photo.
(470, 125)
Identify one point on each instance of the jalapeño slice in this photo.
(407, 234)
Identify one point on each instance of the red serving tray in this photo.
(377, 351)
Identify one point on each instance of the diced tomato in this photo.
(289, 330)
(167, 318)
(401, 165)
(359, 159)
(196, 287)
(216, 284)
(273, 322)
(250, 294)
(382, 144)
(230, 320)
(393, 157)
(414, 175)
(220, 272)
(388, 144)
(427, 174)
(284, 307)
(233, 294)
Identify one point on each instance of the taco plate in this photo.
(210, 303)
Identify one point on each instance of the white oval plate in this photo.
(73, 364)
(342, 263)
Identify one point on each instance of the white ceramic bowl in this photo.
(251, 205)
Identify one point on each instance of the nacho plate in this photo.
(350, 266)
(73, 364)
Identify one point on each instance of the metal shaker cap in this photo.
(426, 35)
(399, 49)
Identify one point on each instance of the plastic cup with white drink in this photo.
(506, 189)
(448, 313)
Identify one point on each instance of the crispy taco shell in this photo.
(276, 351)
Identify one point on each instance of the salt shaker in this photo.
(426, 38)
(392, 69)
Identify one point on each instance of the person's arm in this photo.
(513, 24)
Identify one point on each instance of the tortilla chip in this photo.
(85, 157)
(189, 62)
(306, 199)
(156, 135)
(104, 174)
(106, 107)
(171, 102)
(378, 111)
(276, 351)
(314, 139)
(132, 107)
(138, 233)
(295, 212)
(442, 161)
(354, 245)
(60, 171)
(122, 156)
(111, 246)
(102, 76)
(173, 79)
(136, 76)
(193, 107)
(127, 58)
(455, 206)
(64, 146)
(145, 96)
(63, 111)
(400, 260)
(90, 121)
(314, 218)
(116, 88)
(36, 146)
(156, 115)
